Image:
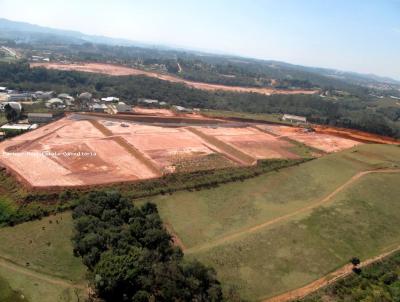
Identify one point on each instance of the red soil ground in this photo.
(150, 111)
(253, 142)
(319, 140)
(117, 70)
(89, 149)
(356, 135)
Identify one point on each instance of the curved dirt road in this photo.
(290, 215)
(43, 277)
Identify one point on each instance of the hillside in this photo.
(188, 64)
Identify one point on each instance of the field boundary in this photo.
(276, 220)
(328, 279)
(12, 266)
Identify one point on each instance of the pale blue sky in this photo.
(355, 35)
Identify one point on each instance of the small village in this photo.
(24, 110)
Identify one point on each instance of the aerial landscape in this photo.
(184, 159)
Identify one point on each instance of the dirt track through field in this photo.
(326, 280)
(41, 276)
(319, 203)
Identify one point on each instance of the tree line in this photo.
(131, 257)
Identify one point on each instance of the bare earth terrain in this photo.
(81, 150)
(117, 70)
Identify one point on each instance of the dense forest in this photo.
(349, 111)
(131, 257)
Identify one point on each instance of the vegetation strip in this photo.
(253, 229)
(331, 278)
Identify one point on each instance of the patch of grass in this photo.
(210, 214)
(35, 290)
(362, 221)
(7, 294)
(45, 245)
(298, 250)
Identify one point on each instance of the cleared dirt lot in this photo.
(321, 141)
(117, 70)
(81, 149)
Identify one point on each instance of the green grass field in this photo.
(7, 294)
(211, 214)
(361, 220)
(34, 252)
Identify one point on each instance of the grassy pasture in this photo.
(14, 284)
(45, 246)
(360, 221)
(48, 250)
(211, 214)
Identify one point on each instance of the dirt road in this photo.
(312, 206)
(12, 267)
(326, 280)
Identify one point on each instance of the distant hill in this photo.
(214, 65)
(28, 33)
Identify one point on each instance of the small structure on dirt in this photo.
(40, 117)
(294, 118)
(16, 127)
(122, 107)
(148, 102)
(99, 107)
(18, 97)
(110, 99)
(183, 109)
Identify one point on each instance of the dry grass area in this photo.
(82, 150)
(117, 70)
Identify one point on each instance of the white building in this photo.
(110, 99)
(294, 118)
(182, 109)
(148, 101)
(40, 117)
(23, 127)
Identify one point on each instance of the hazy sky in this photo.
(356, 35)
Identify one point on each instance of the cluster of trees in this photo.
(131, 257)
(351, 112)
